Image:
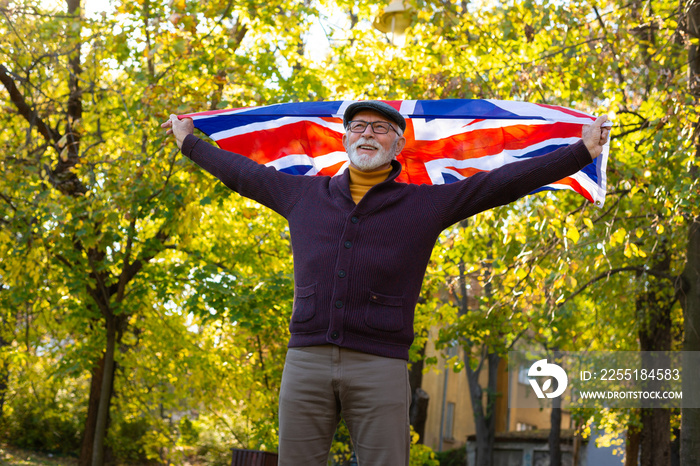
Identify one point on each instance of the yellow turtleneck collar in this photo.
(361, 182)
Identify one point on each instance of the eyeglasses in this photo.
(378, 127)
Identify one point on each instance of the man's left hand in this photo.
(179, 128)
(595, 136)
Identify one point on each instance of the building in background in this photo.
(521, 433)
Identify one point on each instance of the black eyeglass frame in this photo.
(371, 124)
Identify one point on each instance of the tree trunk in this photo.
(555, 426)
(690, 300)
(656, 437)
(418, 412)
(577, 446)
(4, 376)
(654, 308)
(91, 421)
(632, 445)
(105, 393)
(555, 433)
(689, 285)
(4, 371)
(484, 419)
(676, 448)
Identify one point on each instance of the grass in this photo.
(13, 456)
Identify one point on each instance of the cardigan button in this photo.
(354, 220)
(338, 304)
(348, 245)
(334, 335)
(342, 273)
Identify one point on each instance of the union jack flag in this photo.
(447, 140)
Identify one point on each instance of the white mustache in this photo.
(366, 142)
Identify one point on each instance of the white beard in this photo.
(367, 162)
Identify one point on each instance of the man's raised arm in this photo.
(266, 185)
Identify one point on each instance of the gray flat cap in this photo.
(377, 106)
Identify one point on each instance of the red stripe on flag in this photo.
(413, 163)
(304, 137)
(490, 141)
(466, 172)
(394, 103)
(332, 170)
(576, 186)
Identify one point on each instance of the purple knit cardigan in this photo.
(358, 268)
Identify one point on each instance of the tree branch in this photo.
(129, 270)
(638, 269)
(60, 177)
(26, 111)
(8, 201)
(123, 277)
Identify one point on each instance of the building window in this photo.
(453, 349)
(448, 433)
(521, 426)
(522, 375)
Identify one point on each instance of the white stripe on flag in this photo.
(407, 107)
(551, 114)
(440, 128)
(437, 167)
(317, 163)
(275, 124)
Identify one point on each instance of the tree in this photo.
(102, 214)
(530, 51)
(111, 243)
(688, 290)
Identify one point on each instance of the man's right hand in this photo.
(179, 128)
(595, 136)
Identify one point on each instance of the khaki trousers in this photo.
(372, 393)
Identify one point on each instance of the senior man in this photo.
(361, 243)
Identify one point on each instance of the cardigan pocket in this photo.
(384, 312)
(304, 303)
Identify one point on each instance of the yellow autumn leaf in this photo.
(618, 237)
(638, 252)
(628, 250)
(572, 233)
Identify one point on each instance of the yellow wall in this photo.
(457, 392)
